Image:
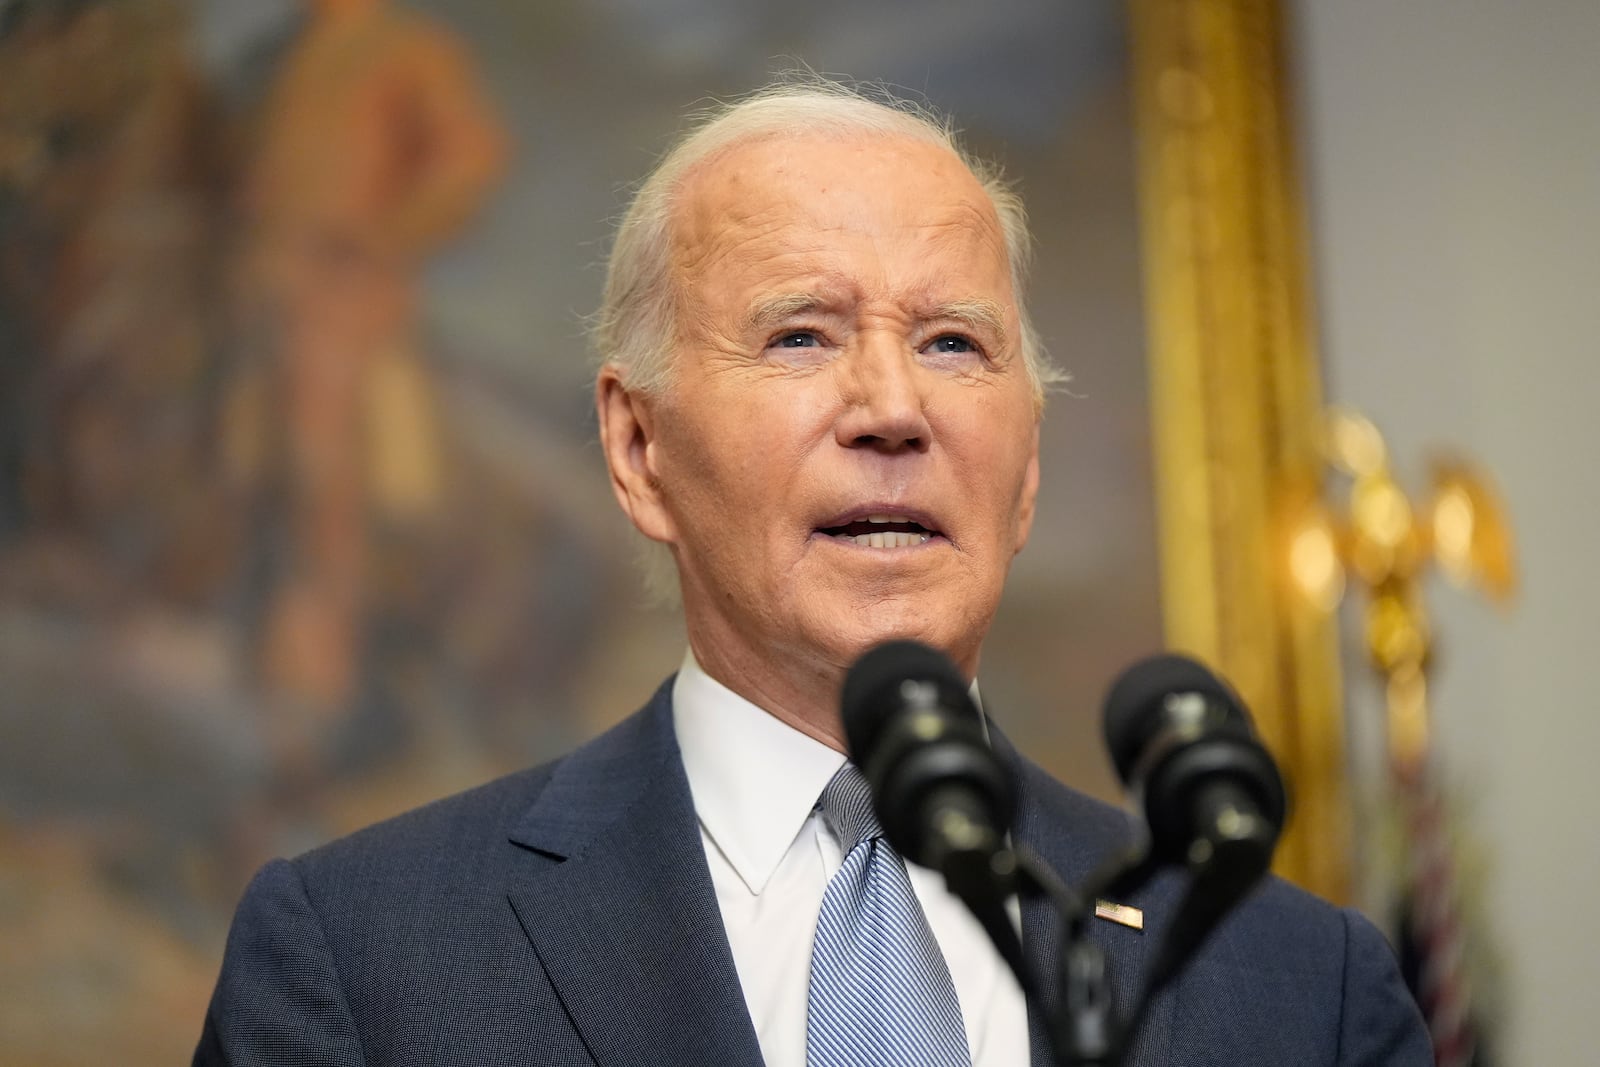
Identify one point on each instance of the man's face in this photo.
(848, 451)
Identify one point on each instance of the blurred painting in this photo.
(302, 522)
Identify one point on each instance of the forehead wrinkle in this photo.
(699, 243)
(968, 223)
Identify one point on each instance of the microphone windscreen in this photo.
(871, 694)
(1134, 704)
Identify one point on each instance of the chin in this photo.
(914, 621)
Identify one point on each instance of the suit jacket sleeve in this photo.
(278, 1000)
(1380, 1025)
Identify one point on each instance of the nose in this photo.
(884, 405)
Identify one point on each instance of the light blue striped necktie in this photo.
(880, 992)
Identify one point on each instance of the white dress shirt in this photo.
(755, 782)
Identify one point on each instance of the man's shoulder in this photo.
(435, 834)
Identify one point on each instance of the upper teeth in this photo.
(890, 539)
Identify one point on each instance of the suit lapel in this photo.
(1073, 835)
(613, 891)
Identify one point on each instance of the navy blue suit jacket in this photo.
(565, 915)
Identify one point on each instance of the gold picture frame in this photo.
(1235, 391)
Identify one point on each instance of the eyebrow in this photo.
(769, 311)
(977, 313)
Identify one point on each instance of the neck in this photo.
(802, 694)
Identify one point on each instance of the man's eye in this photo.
(798, 339)
(951, 343)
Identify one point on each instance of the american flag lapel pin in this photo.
(1121, 914)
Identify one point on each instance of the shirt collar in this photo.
(755, 779)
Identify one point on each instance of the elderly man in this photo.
(821, 396)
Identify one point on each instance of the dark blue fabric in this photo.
(565, 915)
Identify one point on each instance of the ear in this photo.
(627, 436)
(1030, 493)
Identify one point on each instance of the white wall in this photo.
(1453, 158)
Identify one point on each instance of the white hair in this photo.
(636, 329)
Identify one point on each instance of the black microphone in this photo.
(1212, 796)
(1184, 746)
(939, 790)
(942, 796)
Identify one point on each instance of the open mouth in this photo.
(882, 531)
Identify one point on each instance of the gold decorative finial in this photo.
(1384, 542)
